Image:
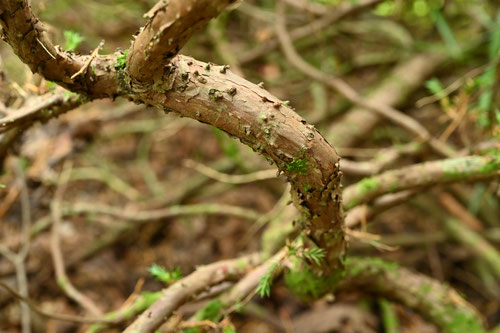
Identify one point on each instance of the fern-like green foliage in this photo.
(314, 254)
(161, 274)
(265, 282)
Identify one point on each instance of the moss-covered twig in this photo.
(475, 243)
(422, 175)
(242, 291)
(182, 290)
(435, 301)
(139, 305)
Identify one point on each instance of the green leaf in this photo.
(161, 274)
(73, 39)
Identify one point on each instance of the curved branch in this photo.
(210, 94)
(214, 95)
(421, 175)
(433, 300)
(27, 37)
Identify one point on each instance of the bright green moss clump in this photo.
(121, 60)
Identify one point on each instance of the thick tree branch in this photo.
(171, 23)
(214, 95)
(210, 94)
(27, 37)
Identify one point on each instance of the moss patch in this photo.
(367, 185)
(121, 60)
(356, 266)
(307, 284)
(298, 166)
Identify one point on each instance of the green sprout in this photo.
(161, 274)
(265, 282)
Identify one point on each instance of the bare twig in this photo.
(40, 108)
(87, 63)
(452, 87)
(50, 315)
(327, 20)
(455, 208)
(231, 179)
(362, 214)
(55, 246)
(312, 7)
(19, 258)
(159, 214)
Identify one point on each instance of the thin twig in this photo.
(18, 259)
(45, 48)
(89, 60)
(317, 25)
(349, 93)
(231, 179)
(50, 315)
(55, 246)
